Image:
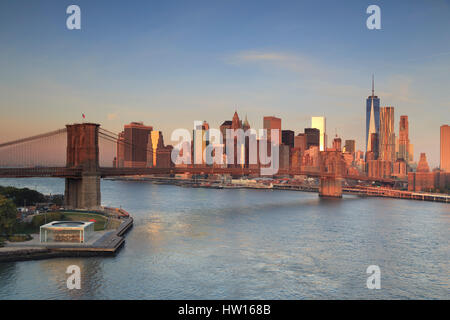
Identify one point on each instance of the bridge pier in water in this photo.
(83, 152)
(331, 169)
(83, 193)
(330, 187)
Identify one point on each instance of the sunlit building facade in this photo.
(272, 123)
(372, 118)
(403, 139)
(349, 146)
(387, 134)
(132, 145)
(321, 124)
(445, 148)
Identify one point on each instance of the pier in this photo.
(398, 194)
(104, 243)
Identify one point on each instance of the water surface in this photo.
(250, 244)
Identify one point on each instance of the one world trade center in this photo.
(372, 117)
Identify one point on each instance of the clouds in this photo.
(297, 63)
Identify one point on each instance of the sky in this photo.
(169, 63)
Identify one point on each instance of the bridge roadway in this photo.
(44, 172)
(63, 172)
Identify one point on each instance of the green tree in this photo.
(22, 196)
(8, 216)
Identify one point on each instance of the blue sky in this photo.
(168, 63)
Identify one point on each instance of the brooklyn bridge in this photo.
(79, 154)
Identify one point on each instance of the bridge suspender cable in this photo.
(40, 136)
(107, 135)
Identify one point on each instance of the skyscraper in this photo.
(403, 139)
(349, 146)
(320, 123)
(374, 144)
(337, 144)
(155, 144)
(312, 137)
(300, 142)
(422, 179)
(272, 123)
(287, 137)
(200, 140)
(226, 125)
(246, 124)
(135, 138)
(372, 117)
(411, 153)
(423, 164)
(387, 134)
(236, 123)
(445, 148)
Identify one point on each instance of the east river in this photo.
(193, 243)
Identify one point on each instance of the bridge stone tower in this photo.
(82, 152)
(331, 170)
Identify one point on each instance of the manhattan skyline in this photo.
(294, 60)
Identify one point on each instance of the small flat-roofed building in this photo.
(66, 231)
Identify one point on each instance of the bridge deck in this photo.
(62, 172)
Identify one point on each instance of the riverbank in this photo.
(363, 191)
(103, 243)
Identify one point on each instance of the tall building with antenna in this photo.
(372, 117)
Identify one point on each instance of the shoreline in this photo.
(108, 244)
(361, 191)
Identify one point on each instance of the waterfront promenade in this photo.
(106, 242)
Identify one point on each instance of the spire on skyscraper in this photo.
(246, 125)
(373, 86)
(236, 123)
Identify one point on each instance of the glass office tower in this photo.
(372, 117)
